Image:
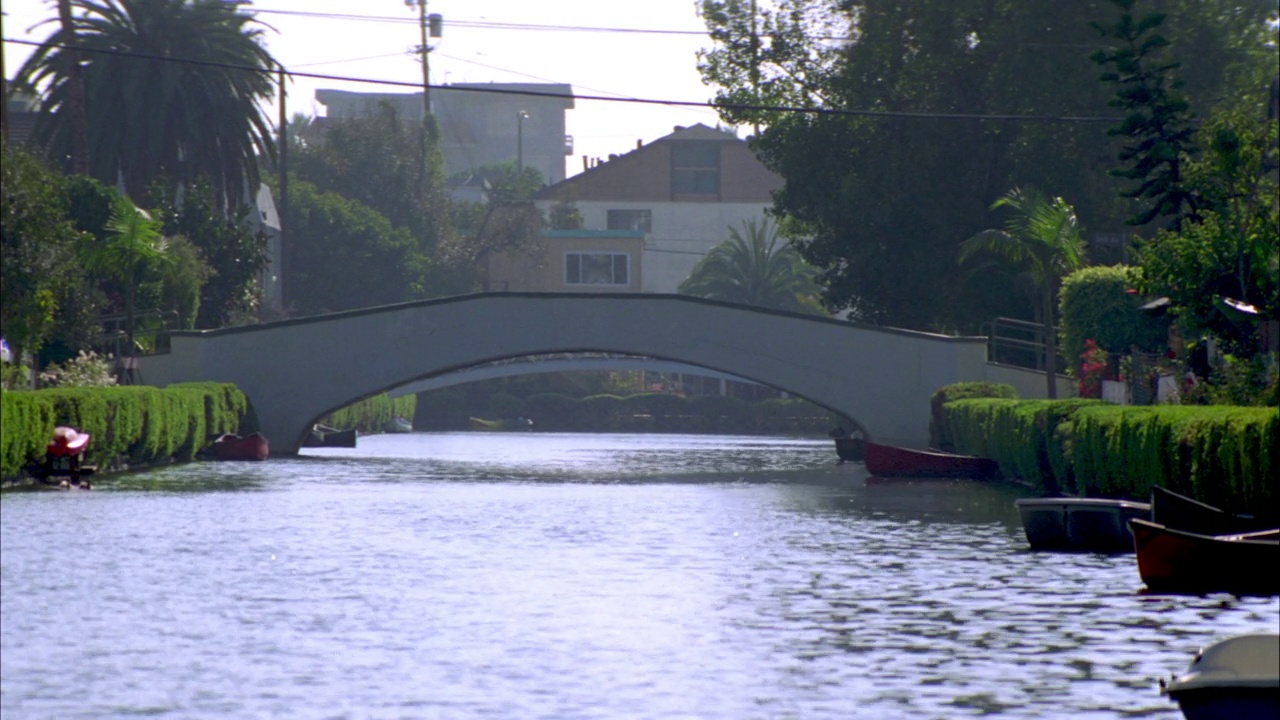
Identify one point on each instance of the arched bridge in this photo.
(296, 371)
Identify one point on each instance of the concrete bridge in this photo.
(296, 371)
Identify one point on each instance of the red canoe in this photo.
(1174, 561)
(234, 447)
(893, 461)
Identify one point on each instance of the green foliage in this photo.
(884, 201)
(148, 116)
(1158, 129)
(230, 256)
(371, 414)
(130, 425)
(939, 431)
(1095, 304)
(1221, 455)
(1232, 248)
(37, 251)
(1043, 236)
(353, 257)
(752, 268)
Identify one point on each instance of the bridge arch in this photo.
(294, 371)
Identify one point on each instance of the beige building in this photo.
(571, 261)
(682, 192)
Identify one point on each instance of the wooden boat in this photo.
(1074, 524)
(1176, 561)
(850, 449)
(1236, 678)
(235, 447)
(1170, 509)
(520, 423)
(325, 436)
(893, 461)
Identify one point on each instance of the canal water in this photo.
(495, 575)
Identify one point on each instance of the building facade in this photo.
(682, 192)
(481, 123)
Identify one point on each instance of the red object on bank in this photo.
(67, 441)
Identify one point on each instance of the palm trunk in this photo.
(1050, 344)
(76, 95)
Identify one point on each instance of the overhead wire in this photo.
(643, 101)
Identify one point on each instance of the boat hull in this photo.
(234, 447)
(1080, 524)
(1183, 513)
(893, 461)
(1236, 678)
(1175, 561)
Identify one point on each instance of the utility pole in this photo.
(283, 210)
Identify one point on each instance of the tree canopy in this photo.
(165, 92)
(926, 111)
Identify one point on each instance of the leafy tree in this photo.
(883, 201)
(1232, 251)
(164, 92)
(767, 57)
(376, 160)
(1158, 130)
(1043, 235)
(232, 256)
(353, 257)
(37, 251)
(133, 252)
(507, 222)
(755, 267)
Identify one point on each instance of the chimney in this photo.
(639, 143)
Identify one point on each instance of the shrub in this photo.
(939, 432)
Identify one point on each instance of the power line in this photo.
(486, 88)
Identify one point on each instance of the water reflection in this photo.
(537, 577)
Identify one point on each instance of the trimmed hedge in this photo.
(130, 425)
(1223, 455)
(939, 432)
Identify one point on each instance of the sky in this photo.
(577, 42)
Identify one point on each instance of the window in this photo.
(641, 220)
(695, 168)
(597, 269)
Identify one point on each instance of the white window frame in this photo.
(573, 269)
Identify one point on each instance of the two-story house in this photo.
(680, 194)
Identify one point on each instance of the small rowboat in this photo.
(850, 449)
(1073, 524)
(1170, 509)
(234, 447)
(1234, 678)
(1176, 561)
(893, 461)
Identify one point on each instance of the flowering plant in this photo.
(1093, 366)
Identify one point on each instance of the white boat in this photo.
(399, 425)
(1237, 678)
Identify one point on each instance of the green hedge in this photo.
(1226, 456)
(939, 432)
(130, 425)
(371, 414)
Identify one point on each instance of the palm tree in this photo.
(1043, 236)
(752, 268)
(134, 246)
(171, 91)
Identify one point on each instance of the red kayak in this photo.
(893, 461)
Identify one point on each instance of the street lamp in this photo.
(521, 115)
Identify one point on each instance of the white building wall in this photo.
(682, 233)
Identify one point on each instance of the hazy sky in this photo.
(483, 41)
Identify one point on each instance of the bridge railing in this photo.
(1019, 343)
